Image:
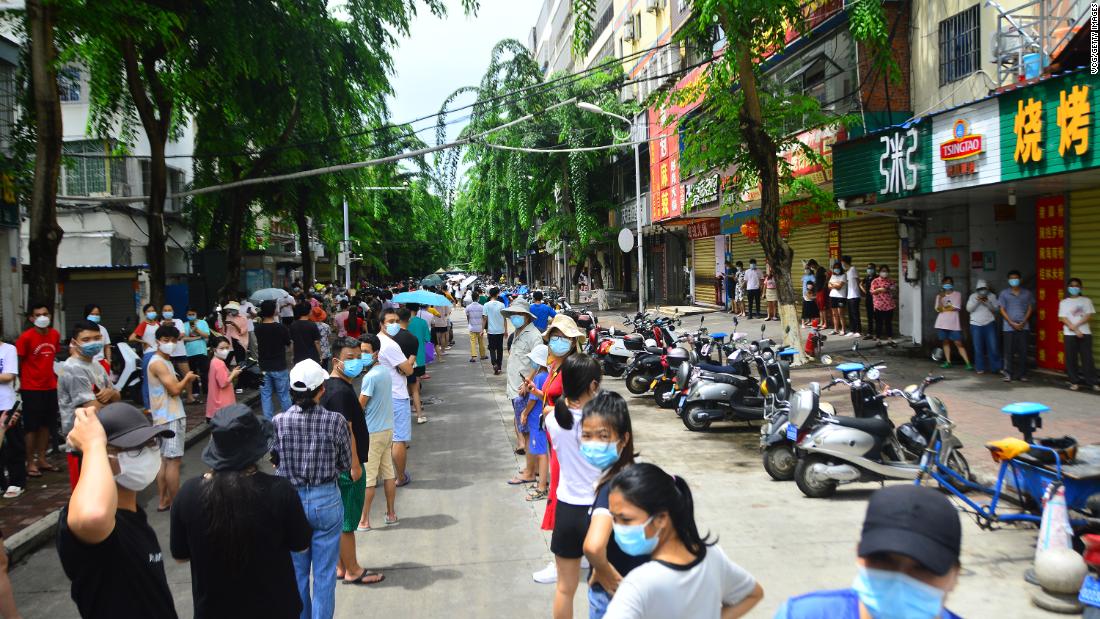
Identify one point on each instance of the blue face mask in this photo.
(91, 349)
(393, 329)
(93, 318)
(1074, 290)
(1015, 281)
(893, 595)
(600, 455)
(949, 287)
(632, 540)
(150, 315)
(517, 321)
(352, 367)
(560, 345)
(367, 359)
(169, 315)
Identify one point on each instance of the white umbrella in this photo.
(268, 294)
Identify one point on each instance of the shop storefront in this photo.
(708, 258)
(1005, 183)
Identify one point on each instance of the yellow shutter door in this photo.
(741, 249)
(703, 265)
(807, 242)
(872, 239)
(1083, 261)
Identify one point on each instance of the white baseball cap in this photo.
(307, 375)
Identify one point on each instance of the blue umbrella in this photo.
(421, 297)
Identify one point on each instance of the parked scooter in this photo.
(861, 449)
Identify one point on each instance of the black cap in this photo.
(914, 521)
(238, 438)
(127, 427)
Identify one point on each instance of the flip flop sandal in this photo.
(538, 495)
(406, 481)
(365, 574)
(35, 473)
(515, 481)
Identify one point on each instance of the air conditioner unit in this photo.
(628, 31)
(653, 6)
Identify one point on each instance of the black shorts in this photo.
(570, 529)
(420, 371)
(838, 302)
(439, 329)
(39, 409)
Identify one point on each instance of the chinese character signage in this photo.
(704, 228)
(968, 147)
(1050, 244)
(1049, 128)
(886, 166)
(664, 165)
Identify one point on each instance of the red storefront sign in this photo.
(1050, 244)
(704, 228)
(834, 241)
(664, 165)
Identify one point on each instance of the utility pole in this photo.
(345, 248)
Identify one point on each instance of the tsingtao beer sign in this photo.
(962, 145)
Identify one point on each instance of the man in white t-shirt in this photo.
(13, 453)
(400, 367)
(854, 325)
(1075, 311)
(752, 289)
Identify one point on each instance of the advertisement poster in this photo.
(1050, 230)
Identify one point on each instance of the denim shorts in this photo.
(402, 421)
(945, 335)
(598, 600)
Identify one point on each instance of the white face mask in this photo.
(137, 470)
(166, 347)
(42, 321)
(222, 353)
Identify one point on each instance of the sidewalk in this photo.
(30, 519)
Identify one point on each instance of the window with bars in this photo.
(960, 45)
(176, 184)
(93, 174)
(7, 105)
(68, 84)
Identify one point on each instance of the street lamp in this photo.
(595, 109)
(346, 249)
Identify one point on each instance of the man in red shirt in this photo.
(37, 347)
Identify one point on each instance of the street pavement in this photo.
(467, 543)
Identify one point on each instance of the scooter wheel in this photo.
(780, 461)
(637, 383)
(691, 423)
(810, 485)
(664, 395)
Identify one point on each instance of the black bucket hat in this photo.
(238, 438)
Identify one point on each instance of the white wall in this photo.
(11, 283)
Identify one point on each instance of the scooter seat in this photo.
(875, 426)
(727, 379)
(718, 369)
(789, 352)
(718, 336)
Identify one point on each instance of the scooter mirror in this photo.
(762, 327)
(815, 387)
(937, 355)
(735, 321)
(855, 347)
(827, 359)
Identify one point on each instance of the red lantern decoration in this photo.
(744, 229)
(752, 233)
(784, 227)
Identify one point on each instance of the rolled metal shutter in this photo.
(1083, 226)
(872, 239)
(740, 248)
(808, 242)
(703, 266)
(115, 298)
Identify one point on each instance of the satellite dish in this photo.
(626, 240)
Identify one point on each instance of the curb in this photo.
(26, 541)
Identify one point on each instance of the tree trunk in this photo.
(45, 233)
(234, 249)
(762, 150)
(156, 254)
(302, 224)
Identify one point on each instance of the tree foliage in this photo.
(509, 199)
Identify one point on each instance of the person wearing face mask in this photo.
(1017, 305)
(497, 328)
(1075, 311)
(312, 447)
(838, 298)
(166, 409)
(272, 341)
(401, 365)
(908, 561)
(607, 442)
(855, 328)
(577, 477)
(531, 419)
(145, 332)
(869, 275)
(107, 548)
(376, 398)
(526, 338)
(340, 397)
(93, 314)
(37, 348)
(219, 379)
(882, 291)
(948, 325)
(475, 320)
(688, 576)
(753, 281)
(179, 353)
(195, 335)
(82, 382)
(983, 308)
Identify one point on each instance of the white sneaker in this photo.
(13, 492)
(547, 575)
(585, 564)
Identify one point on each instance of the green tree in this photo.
(507, 193)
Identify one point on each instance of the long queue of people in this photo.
(634, 523)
